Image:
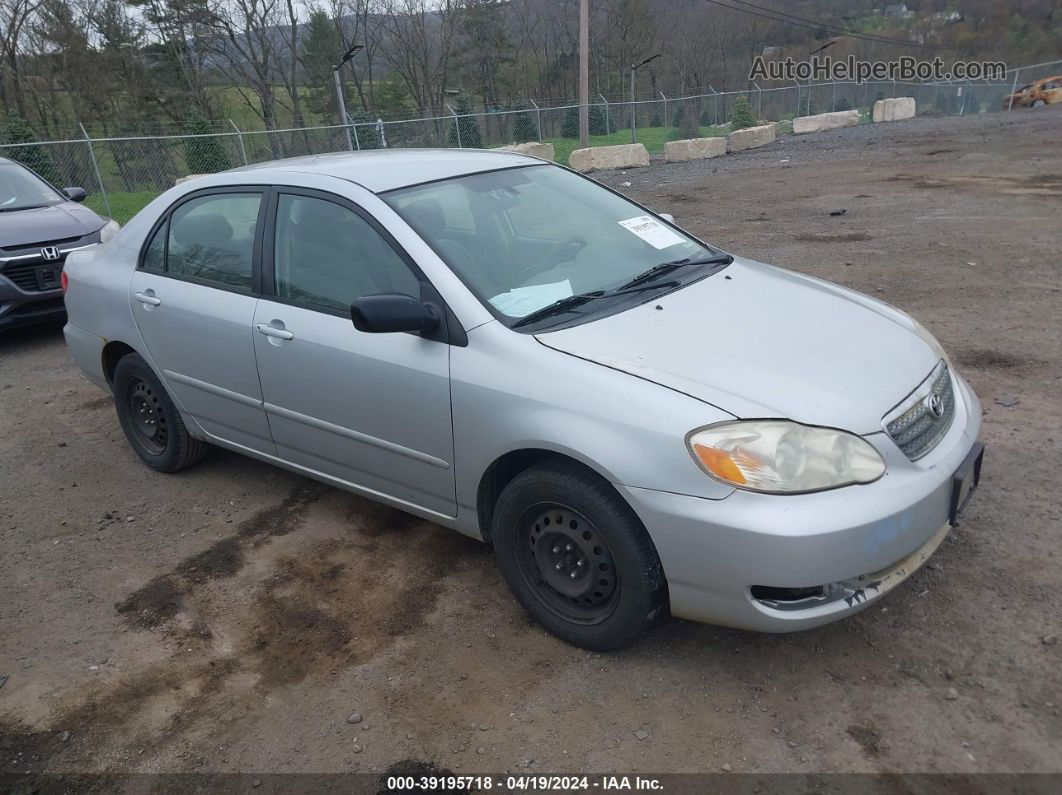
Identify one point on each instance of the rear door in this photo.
(370, 410)
(193, 298)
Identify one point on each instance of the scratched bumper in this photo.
(858, 542)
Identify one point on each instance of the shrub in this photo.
(470, 137)
(204, 155)
(364, 132)
(742, 116)
(524, 128)
(570, 124)
(17, 131)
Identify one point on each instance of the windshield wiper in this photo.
(667, 267)
(27, 207)
(572, 301)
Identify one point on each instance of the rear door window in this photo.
(211, 239)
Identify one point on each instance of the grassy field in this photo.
(124, 204)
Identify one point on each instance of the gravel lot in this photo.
(234, 617)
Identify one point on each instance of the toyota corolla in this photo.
(637, 421)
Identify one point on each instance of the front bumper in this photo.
(21, 308)
(714, 551)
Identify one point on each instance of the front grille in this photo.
(24, 276)
(920, 421)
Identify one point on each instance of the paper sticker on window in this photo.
(652, 231)
(522, 301)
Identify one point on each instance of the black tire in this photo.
(1039, 103)
(593, 579)
(151, 422)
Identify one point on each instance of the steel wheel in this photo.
(146, 416)
(567, 563)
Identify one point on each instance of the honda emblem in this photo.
(50, 253)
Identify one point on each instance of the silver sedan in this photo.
(636, 421)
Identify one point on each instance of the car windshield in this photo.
(525, 238)
(21, 189)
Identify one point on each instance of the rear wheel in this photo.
(149, 419)
(1039, 103)
(577, 557)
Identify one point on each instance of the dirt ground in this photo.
(234, 617)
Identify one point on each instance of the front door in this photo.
(371, 410)
(192, 302)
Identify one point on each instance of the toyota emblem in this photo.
(50, 253)
(936, 405)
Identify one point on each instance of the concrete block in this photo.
(893, 109)
(750, 138)
(599, 158)
(533, 148)
(694, 149)
(825, 121)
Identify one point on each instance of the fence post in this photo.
(457, 125)
(538, 117)
(1013, 90)
(833, 98)
(381, 132)
(354, 129)
(759, 100)
(797, 84)
(239, 135)
(666, 117)
(96, 168)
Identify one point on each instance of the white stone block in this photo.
(694, 149)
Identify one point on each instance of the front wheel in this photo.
(151, 422)
(1039, 103)
(577, 557)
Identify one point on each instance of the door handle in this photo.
(147, 298)
(273, 331)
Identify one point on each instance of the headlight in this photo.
(783, 457)
(109, 230)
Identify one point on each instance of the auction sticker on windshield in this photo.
(652, 231)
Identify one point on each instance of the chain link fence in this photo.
(124, 174)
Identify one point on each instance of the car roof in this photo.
(382, 170)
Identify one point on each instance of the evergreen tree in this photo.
(321, 48)
(16, 130)
(706, 118)
(524, 128)
(203, 155)
(364, 131)
(598, 121)
(570, 124)
(742, 116)
(470, 137)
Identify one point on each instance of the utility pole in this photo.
(584, 73)
(339, 92)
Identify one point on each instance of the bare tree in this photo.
(420, 36)
(15, 15)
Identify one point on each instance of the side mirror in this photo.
(390, 312)
(75, 194)
(667, 217)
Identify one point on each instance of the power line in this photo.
(810, 24)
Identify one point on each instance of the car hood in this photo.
(758, 341)
(20, 228)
